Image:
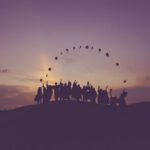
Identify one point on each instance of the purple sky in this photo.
(33, 32)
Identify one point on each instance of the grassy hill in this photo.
(75, 126)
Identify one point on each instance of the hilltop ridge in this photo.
(73, 125)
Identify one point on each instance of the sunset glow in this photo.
(34, 32)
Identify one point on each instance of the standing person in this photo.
(78, 92)
(100, 95)
(38, 97)
(105, 96)
(56, 92)
(49, 92)
(84, 99)
(113, 102)
(92, 94)
(45, 95)
(69, 90)
(64, 91)
(121, 100)
(88, 90)
(74, 90)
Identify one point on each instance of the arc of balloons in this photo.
(86, 47)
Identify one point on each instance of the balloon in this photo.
(56, 58)
(41, 80)
(107, 54)
(125, 81)
(67, 50)
(80, 46)
(117, 64)
(46, 75)
(86, 46)
(74, 48)
(99, 50)
(49, 69)
(4, 70)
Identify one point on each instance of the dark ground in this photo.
(75, 126)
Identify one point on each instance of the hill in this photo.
(75, 126)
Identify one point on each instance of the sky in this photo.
(33, 32)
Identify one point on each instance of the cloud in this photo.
(4, 70)
(15, 96)
(27, 79)
(136, 94)
(147, 79)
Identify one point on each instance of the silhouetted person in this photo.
(38, 97)
(74, 90)
(121, 100)
(65, 92)
(69, 90)
(49, 92)
(60, 90)
(84, 94)
(56, 91)
(105, 97)
(44, 94)
(78, 92)
(100, 95)
(93, 94)
(113, 103)
(88, 92)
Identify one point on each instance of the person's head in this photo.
(88, 83)
(69, 82)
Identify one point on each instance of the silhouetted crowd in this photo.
(74, 92)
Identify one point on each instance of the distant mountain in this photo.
(75, 126)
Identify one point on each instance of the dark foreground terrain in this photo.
(75, 126)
